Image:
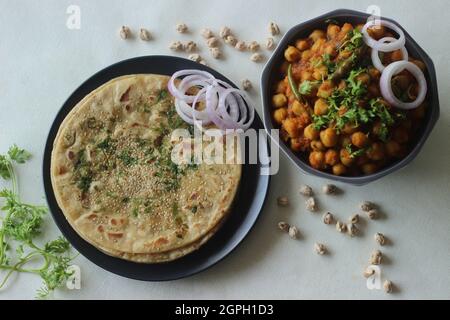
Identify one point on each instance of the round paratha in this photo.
(114, 180)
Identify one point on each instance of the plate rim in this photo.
(81, 245)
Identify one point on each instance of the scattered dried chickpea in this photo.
(320, 248)
(328, 218)
(190, 46)
(212, 42)
(352, 230)
(231, 40)
(311, 204)
(274, 29)
(368, 272)
(380, 239)
(241, 46)
(181, 28)
(366, 206)
(215, 52)
(293, 232)
(195, 57)
(125, 32)
(306, 190)
(256, 57)
(283, 226)
(329, 189)
(354, 218)
(283, 201)
(144, 34)
(388, 286)
(376, 257)
(224, 32)
(372, 214)
(206, 33)
(270, 43)
(176, 46)
(253, 46)
(246, 84)
(341, 227)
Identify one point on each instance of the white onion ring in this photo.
(376, 58)
(380, 46)
(386, 86)
(191, 75)
(225, 106)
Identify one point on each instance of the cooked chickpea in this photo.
(396, 55)
(361, 160)
(296, 144)
(317, 34)
(369, 168)
(333, 31)
(317, 159)
(318, 44)
(328, 137)
(302, 44)
(364, 78)
(331, 157)
(339, 169)
(331, 50)
(317, 145)
(281, 87)
(306, 75)
(298, 108)
(279, 115)
(420, 64)
(320, 107)
(306, 54)
(349, 128)
(376, 151)
(377, 32)
(291, 127)
(374, 73)
(344, 141)
(346, 28)
(374, 89)
(292, 54)
(419, 112)
(279, 100)
(310, 133)
(325, 89)
(345, 157)
(400, 135)
(359, 139)
(393, 148)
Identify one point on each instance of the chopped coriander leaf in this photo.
(175, 209)
(127, 159)
(306, 87)
(356, 153)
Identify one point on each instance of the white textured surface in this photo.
(42, 62)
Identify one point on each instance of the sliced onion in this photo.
(386, 86)
(376, 58)
(380, 46)
(228, 108)
(191, 75)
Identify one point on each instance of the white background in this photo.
(42, 62)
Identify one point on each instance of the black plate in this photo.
(246, 207)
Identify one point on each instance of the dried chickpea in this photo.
(376, 151)
(317, 159)
(292, 54)
(339, 169)
(345, 157)
(279, 100)
(359, 139)
(311, 133)
(317, 34)
(317, 145)
(320, 107)
(279, 115)
(302, 45)
(328, 137)
(331, 157)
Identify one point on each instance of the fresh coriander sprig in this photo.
(19, 226)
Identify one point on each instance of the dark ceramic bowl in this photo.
(271, 74)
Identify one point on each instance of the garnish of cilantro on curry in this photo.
(347, 103)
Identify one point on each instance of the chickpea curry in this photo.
(329, 106)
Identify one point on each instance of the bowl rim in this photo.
(434, 108)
